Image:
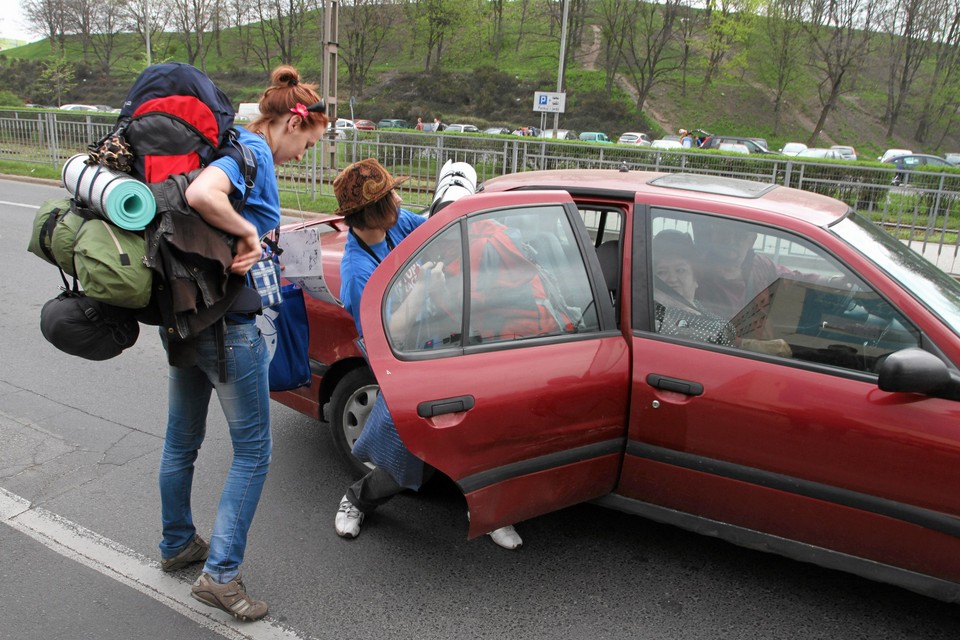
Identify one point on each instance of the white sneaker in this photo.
(348, 519)
(506, 537)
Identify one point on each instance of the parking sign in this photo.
(549, 101)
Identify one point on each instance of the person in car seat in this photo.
(370, 205)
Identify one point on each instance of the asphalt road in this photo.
(79, 526)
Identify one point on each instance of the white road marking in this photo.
(20, 204)
(130, 568)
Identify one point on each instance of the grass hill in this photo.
(481, 85)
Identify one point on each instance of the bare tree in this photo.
(192, 19)
(839, 33)
(361, 35)
(647, 56)
(616, 18)
(909, 27)
(79, 20)
(137, 20)
(48, 16)
(783, 29)
(687, 26)
(107, 21)
(943, 89)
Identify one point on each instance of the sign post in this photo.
(546, 102)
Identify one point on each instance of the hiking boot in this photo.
(195, 551)
(348, 519)
(506, 537)
(231, 597)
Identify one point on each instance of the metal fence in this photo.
(923, 210)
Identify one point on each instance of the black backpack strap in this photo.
(241, 153)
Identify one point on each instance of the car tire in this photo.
(351, 403)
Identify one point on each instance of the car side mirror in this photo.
(917, 371)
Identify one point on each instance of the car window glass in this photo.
(762, 290)
(527, 277)
(424, 309)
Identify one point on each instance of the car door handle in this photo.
(686, 387)
(431, 408)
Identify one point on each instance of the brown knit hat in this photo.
(362, 183)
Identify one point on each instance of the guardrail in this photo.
(924, 211)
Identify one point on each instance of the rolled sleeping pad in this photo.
(118, 198)
(457, 179)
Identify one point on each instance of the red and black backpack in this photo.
(176, 120)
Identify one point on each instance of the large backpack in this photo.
(175, 120)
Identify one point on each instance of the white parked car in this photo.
(342, 127)
(816, 153)
(733, 147)
(792, 148)
(664, 143)
(634, 137)
(461, 128)
(893, 153)
(78, 107)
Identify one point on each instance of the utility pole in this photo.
(146, 28)
(563, 58)
(328, 89)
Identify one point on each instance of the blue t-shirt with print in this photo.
(262, 208)
(357, 265)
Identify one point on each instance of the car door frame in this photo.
(508, 477)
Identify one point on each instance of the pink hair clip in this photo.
(300, 110)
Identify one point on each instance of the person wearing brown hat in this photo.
(367, 198)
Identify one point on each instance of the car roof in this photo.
(711, 191)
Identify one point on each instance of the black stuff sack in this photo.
(87, 328)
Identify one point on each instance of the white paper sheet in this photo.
(302, 262)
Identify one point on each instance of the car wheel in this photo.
(351, 403)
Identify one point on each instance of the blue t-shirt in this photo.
(357, 265)
(263, 204)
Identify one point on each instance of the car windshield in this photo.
(930, 285)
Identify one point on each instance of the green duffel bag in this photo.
(109, 263)
(63, 238)
(48, 216)
(105, 259)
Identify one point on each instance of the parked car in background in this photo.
(733, 147)
(497, 130)
(393, 123)
(893, 153)
(560, 134)
(819, 153)
(343, 128)
(247, 111)
(365, 125)
(792, 148)
(634, 137)
(78, 107)
(665, 143)
(762, 142)
(907, 163)
(846, 152)
(630, 402)
(714, 142)
(461, 128)
(593, 136)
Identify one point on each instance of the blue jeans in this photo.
(245, 399)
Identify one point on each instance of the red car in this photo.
(554, 363)
(365, 125)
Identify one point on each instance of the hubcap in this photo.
(356, 411)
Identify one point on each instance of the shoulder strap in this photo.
(244, 157)
(366, 247)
